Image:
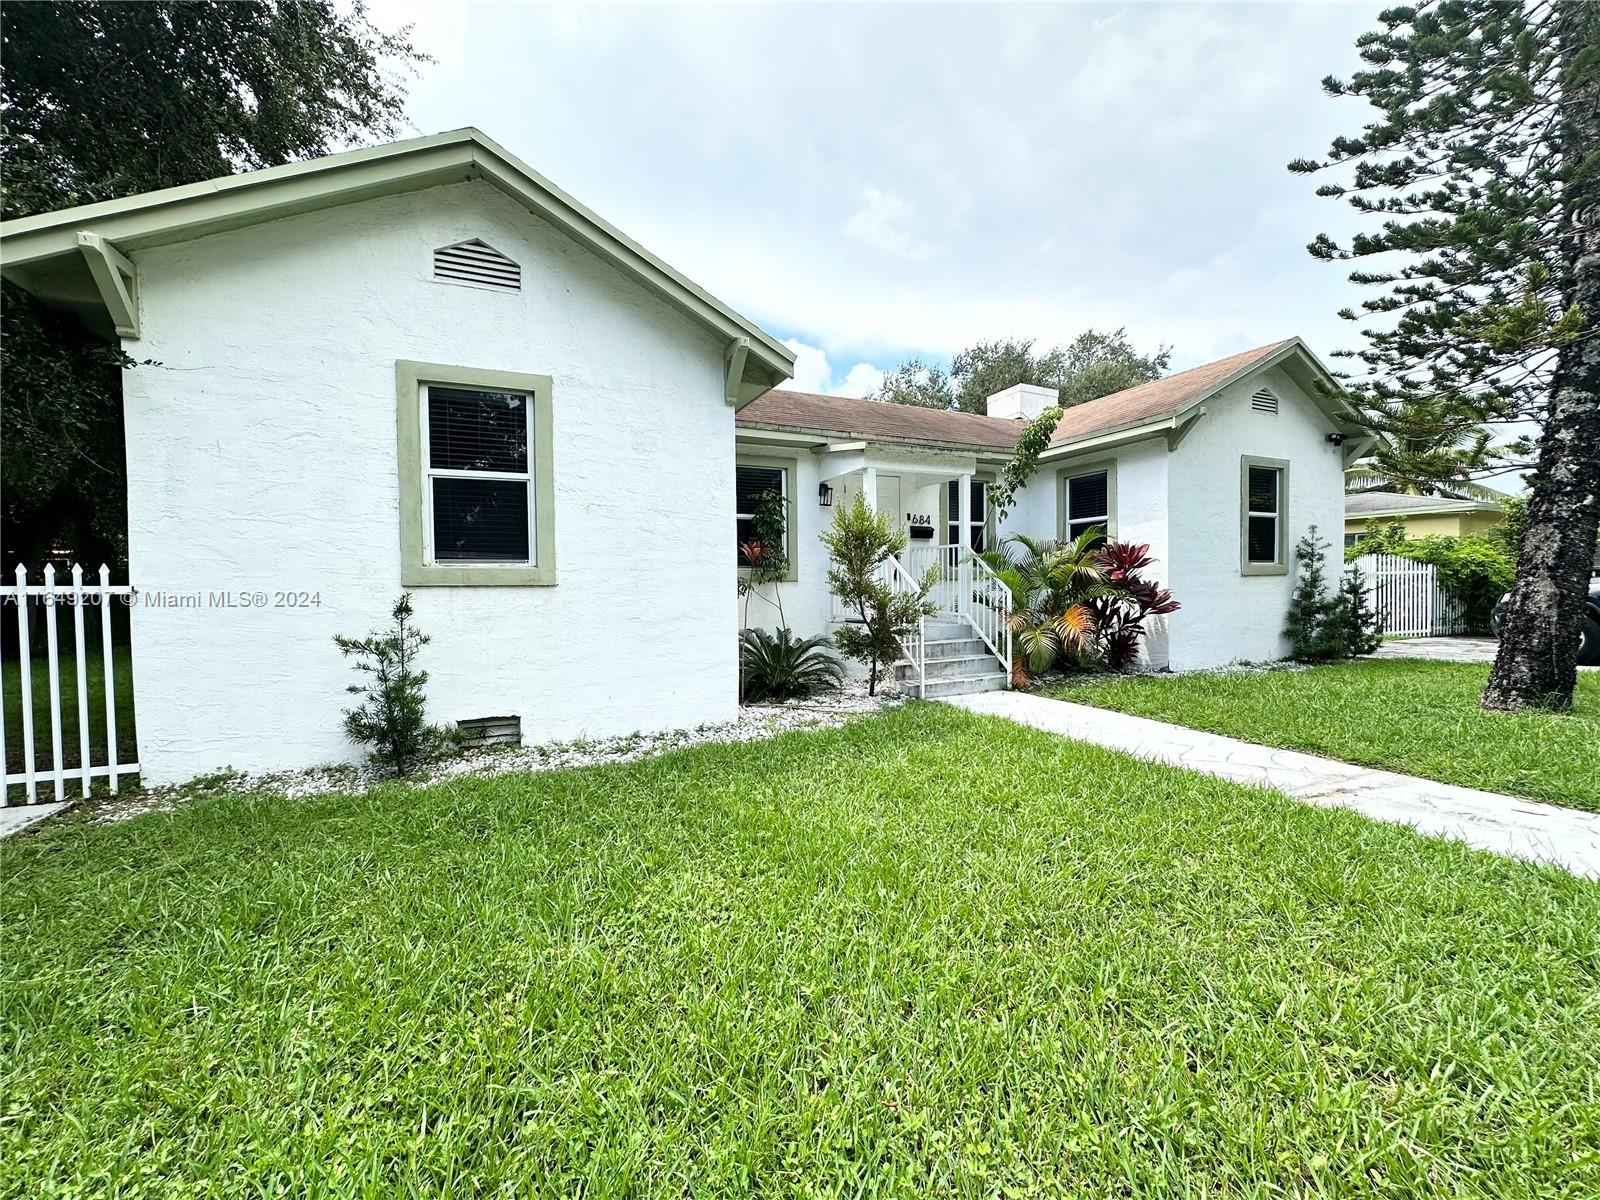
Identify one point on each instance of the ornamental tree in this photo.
(1481, 166)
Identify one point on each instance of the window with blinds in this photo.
(750, 484)
(1264, 515)
(479, 264)
(1089, 505)
(479, 489)
(979, 523)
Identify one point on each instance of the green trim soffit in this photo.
(28, 245)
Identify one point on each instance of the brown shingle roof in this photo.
(873, 419)
(1158, 398)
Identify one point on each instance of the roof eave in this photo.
(232, 202)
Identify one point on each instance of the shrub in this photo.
(391, 718)
(1323, 623)
(1051, 585)
(860, 543)
(781, 667)
(1129, 601)
(766, 553)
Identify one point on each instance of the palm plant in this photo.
(1052, 587)
(782, 667)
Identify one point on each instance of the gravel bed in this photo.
(755, 722)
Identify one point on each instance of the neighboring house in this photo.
(1423, 515)
(423, 366)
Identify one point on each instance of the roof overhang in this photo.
(754, 432)
(44, 253)
(1460, 508)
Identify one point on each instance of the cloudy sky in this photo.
(873, 183)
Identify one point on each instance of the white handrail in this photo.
(968, 588)
(902, 581)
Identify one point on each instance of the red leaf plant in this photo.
(1129, 600)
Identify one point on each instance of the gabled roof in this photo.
(845, 417)
(1138, 411)
(1161, 397)
(1399, 504)
(46, 253)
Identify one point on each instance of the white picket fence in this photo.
(76, 596)
(1408, 595)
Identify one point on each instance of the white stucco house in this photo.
(423, 366)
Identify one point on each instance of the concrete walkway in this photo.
(14, 818)
(1503, 824)
(1446, 649)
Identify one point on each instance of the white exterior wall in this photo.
(1228, 616)
(1141, 505)
(262, 457)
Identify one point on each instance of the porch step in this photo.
(962, 647)
(960, 666)
(964, 685)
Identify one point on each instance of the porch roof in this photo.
(847, 417)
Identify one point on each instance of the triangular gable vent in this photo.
(1264, 401)
(479, 264)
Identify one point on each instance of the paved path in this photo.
(16, 817)
(1504, 824)
(1445, 649)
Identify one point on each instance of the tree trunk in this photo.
(1537, 661)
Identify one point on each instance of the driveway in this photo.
(1445, 649)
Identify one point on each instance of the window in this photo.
(477, 493)
(977, 526)
(753, 482)
(1088, 504)
(1263, 486)
(1351, 539)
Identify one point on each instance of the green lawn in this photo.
(927, 953)
(1419, 718)
(11, 690)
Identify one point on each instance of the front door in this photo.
(889, 499)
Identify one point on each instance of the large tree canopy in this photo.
(1092, 365)
(99, 101)
(1480, 166)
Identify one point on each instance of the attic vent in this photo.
(1264, 401)
(479, 264)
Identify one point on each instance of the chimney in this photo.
(1022, 402)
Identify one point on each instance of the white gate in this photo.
(50, 596)
(1408, 595)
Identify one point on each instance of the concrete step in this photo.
(963, 685)
(960, 667)
(945, 629)
(953, 648)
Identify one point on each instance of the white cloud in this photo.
(961, 173)
(812, 373)
(880, 222)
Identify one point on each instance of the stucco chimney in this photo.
(1022, 402)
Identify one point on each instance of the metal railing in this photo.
(967, 587)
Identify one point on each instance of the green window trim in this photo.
(415, 569)
(789, 465)
(1281, 565)
(1064, 478)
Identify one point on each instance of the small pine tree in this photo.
(860, 542)
(1312, 622)
(391, 718)
(1361, 626)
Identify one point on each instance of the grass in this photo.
(927, 953)
(1418, 718)
(11, 693)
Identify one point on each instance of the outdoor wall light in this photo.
(1336, 439)
(824, 495)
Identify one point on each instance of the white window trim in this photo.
(430, 473)
(1280, 564)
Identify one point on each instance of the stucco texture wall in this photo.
(1228, 616)
(262, 458)
(1451, 525)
